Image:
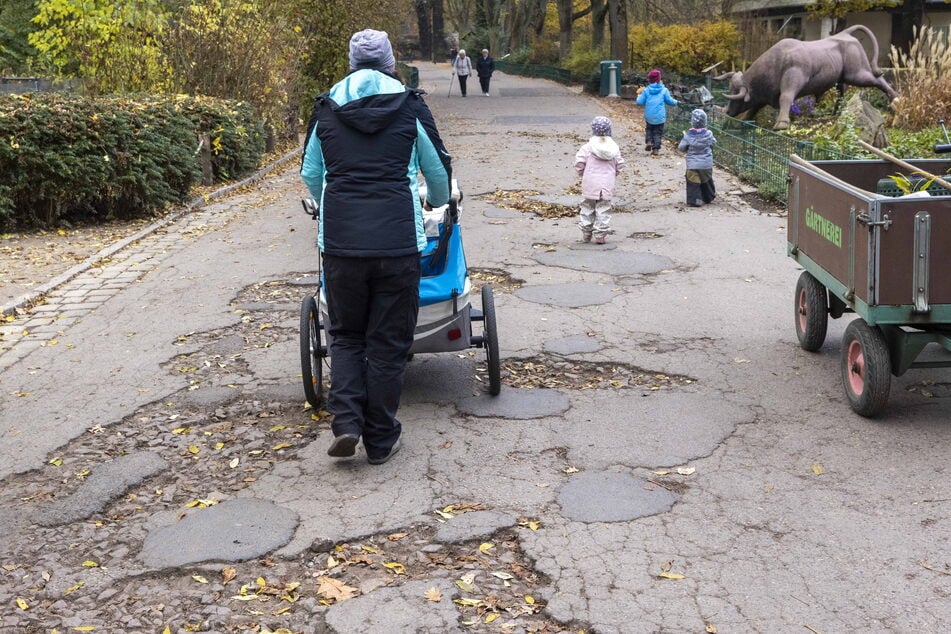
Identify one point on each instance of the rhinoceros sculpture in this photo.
(792, 68)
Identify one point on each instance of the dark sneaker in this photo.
(344, 446)
(648, 147)
(393, 451)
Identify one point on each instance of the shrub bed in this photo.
(66, 159)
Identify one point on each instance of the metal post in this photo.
(612, 80)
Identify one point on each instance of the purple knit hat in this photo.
(601, 126)
(653, 76)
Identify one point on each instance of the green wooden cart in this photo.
(885, 258)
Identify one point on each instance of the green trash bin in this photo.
(610, 77)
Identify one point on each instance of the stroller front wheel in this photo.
(490, 341)
(311, 351)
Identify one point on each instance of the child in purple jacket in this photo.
(598, 162)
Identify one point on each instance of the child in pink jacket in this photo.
(598, 162)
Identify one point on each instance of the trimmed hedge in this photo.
(66, 159)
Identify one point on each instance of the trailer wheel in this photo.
(866, 368)
(812, 312)
(311, 351)
(491, 341)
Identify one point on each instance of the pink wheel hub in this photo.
(856, 363)
(803, 311)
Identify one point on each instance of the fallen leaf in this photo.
(395, 537)
(234, 463)
(89, 563)
(330, 588)
(491, 616)
(396, 567)
(529, 599)
(433, 594)
(686, 470)
(486, 547)
(817, 468)
(228, 574)
(74, 588)
(570, 470)
(465, 587)
(710, 628)
(199, 579)
(22, 604)
(283, 445)
(468, 602)
(194, 449)
(503, 575)
(670, 575)
(56, 462)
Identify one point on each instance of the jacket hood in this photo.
(700, 137)
(368, 100)
(655, 89)
(604, 147)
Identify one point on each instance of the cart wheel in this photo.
(812, 312)
(491, 341)
(311, 351)
(866, 368)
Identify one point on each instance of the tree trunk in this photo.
(439, 46)
(424, 24)
(617, 19)
(565, 19)
(599, 11)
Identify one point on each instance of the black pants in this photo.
(700, 187)
(462, 84)
(653, 135)
(373, 305)
(484, 83)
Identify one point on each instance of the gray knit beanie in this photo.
(698, 118)
(371, 49)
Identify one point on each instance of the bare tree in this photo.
(617, 19)
(424, 24)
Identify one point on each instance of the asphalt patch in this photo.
(612, 263)
(605, 496)
(236, 530)
(571, 295)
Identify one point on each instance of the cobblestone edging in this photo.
(54, 305)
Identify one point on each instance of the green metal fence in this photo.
(756, 155)
(410, 74)
(561, 75)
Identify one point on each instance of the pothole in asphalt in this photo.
(497, 278)
(930, 389)
(549, 371)
(521, 200)
(271, 292)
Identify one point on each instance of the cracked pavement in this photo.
(743, 497)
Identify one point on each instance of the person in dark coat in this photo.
(485, 66)
(368, 138)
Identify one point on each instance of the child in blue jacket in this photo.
(655, 98)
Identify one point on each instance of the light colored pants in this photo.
(594, 216)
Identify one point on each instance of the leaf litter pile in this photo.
(550, 371)
(74, 577)
(499, 280)
(522, 200)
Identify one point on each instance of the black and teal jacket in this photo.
(369, 138)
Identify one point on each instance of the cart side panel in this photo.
(929, 218)
(822, 226)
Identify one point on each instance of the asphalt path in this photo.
(663, 456)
